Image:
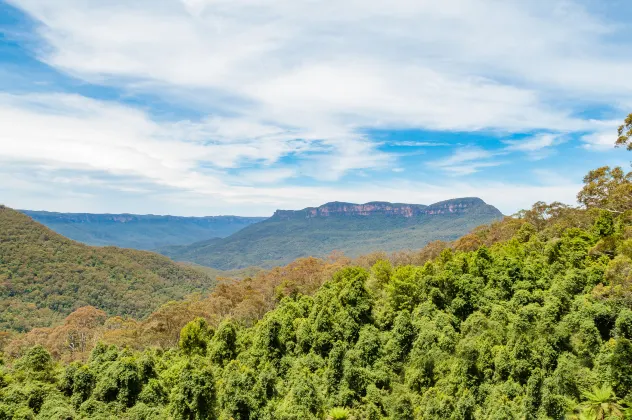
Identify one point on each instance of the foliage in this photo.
(44, 277)
(625, 133)
(195, 336)
(36, 364)
(600, 403)
(535, 323)
(338, 413)
(607, 188)
(193, 397)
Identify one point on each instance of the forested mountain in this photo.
(139, 231)
(45, 276)
(528, 318)
(352, 228)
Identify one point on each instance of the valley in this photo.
(350, 228)
(145, 232)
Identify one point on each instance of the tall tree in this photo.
(607, 188)
(625, 133)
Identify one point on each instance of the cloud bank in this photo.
(286, 95)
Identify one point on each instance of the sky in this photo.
(208, 107)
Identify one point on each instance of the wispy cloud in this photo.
(288, 90)
(37, 187)
(417, 144)
(468, 160)
(598, 141)
(332, 68)
(536, 147)
(533, 144)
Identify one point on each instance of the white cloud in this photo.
(337, 65)
(263, 176)
(307, 80)
(536, 147)
(71, 131)
(598, 141)
(416, 143)
(37, 187)
(68, 153)
(533, 144)
(468, 160)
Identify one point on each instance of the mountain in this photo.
(45, 276)
(139, 231)
(352, 228)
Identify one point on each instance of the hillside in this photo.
(45, 276)
(139, 231)
(537, 325)
(353, 228)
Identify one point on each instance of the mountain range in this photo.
(352, 228)
(139, 231)
(234, 242)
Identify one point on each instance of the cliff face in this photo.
(88, 218)
(140, 231)
(354, 229)
(454, 206)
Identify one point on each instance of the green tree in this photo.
(600, 404)
(604, 225)
(194, 396)
(338, 413)
(120, 381)
(223, 347)
(620, 364)
(36, 364)
(195, 336)
(404, 288)
(625, 133)
(608, 189)
(78, 382)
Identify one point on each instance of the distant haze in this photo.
(139, 231)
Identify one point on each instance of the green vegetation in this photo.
(280, 240)
(214, 273)
(145, 232)
(625, 133)
(535, 325)
(44, 277)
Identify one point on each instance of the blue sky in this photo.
(204, 107)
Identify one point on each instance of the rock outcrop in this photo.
(454, 206)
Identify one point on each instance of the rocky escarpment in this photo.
(457, 205)
(454, 206)
(87, 218)
(140, 231)
(354, 229)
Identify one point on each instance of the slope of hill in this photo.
(44, 276)
(139, 231)
(537, 326)
(352, 228)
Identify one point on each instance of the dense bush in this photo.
(44, 277)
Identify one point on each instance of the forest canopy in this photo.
(44, 277)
